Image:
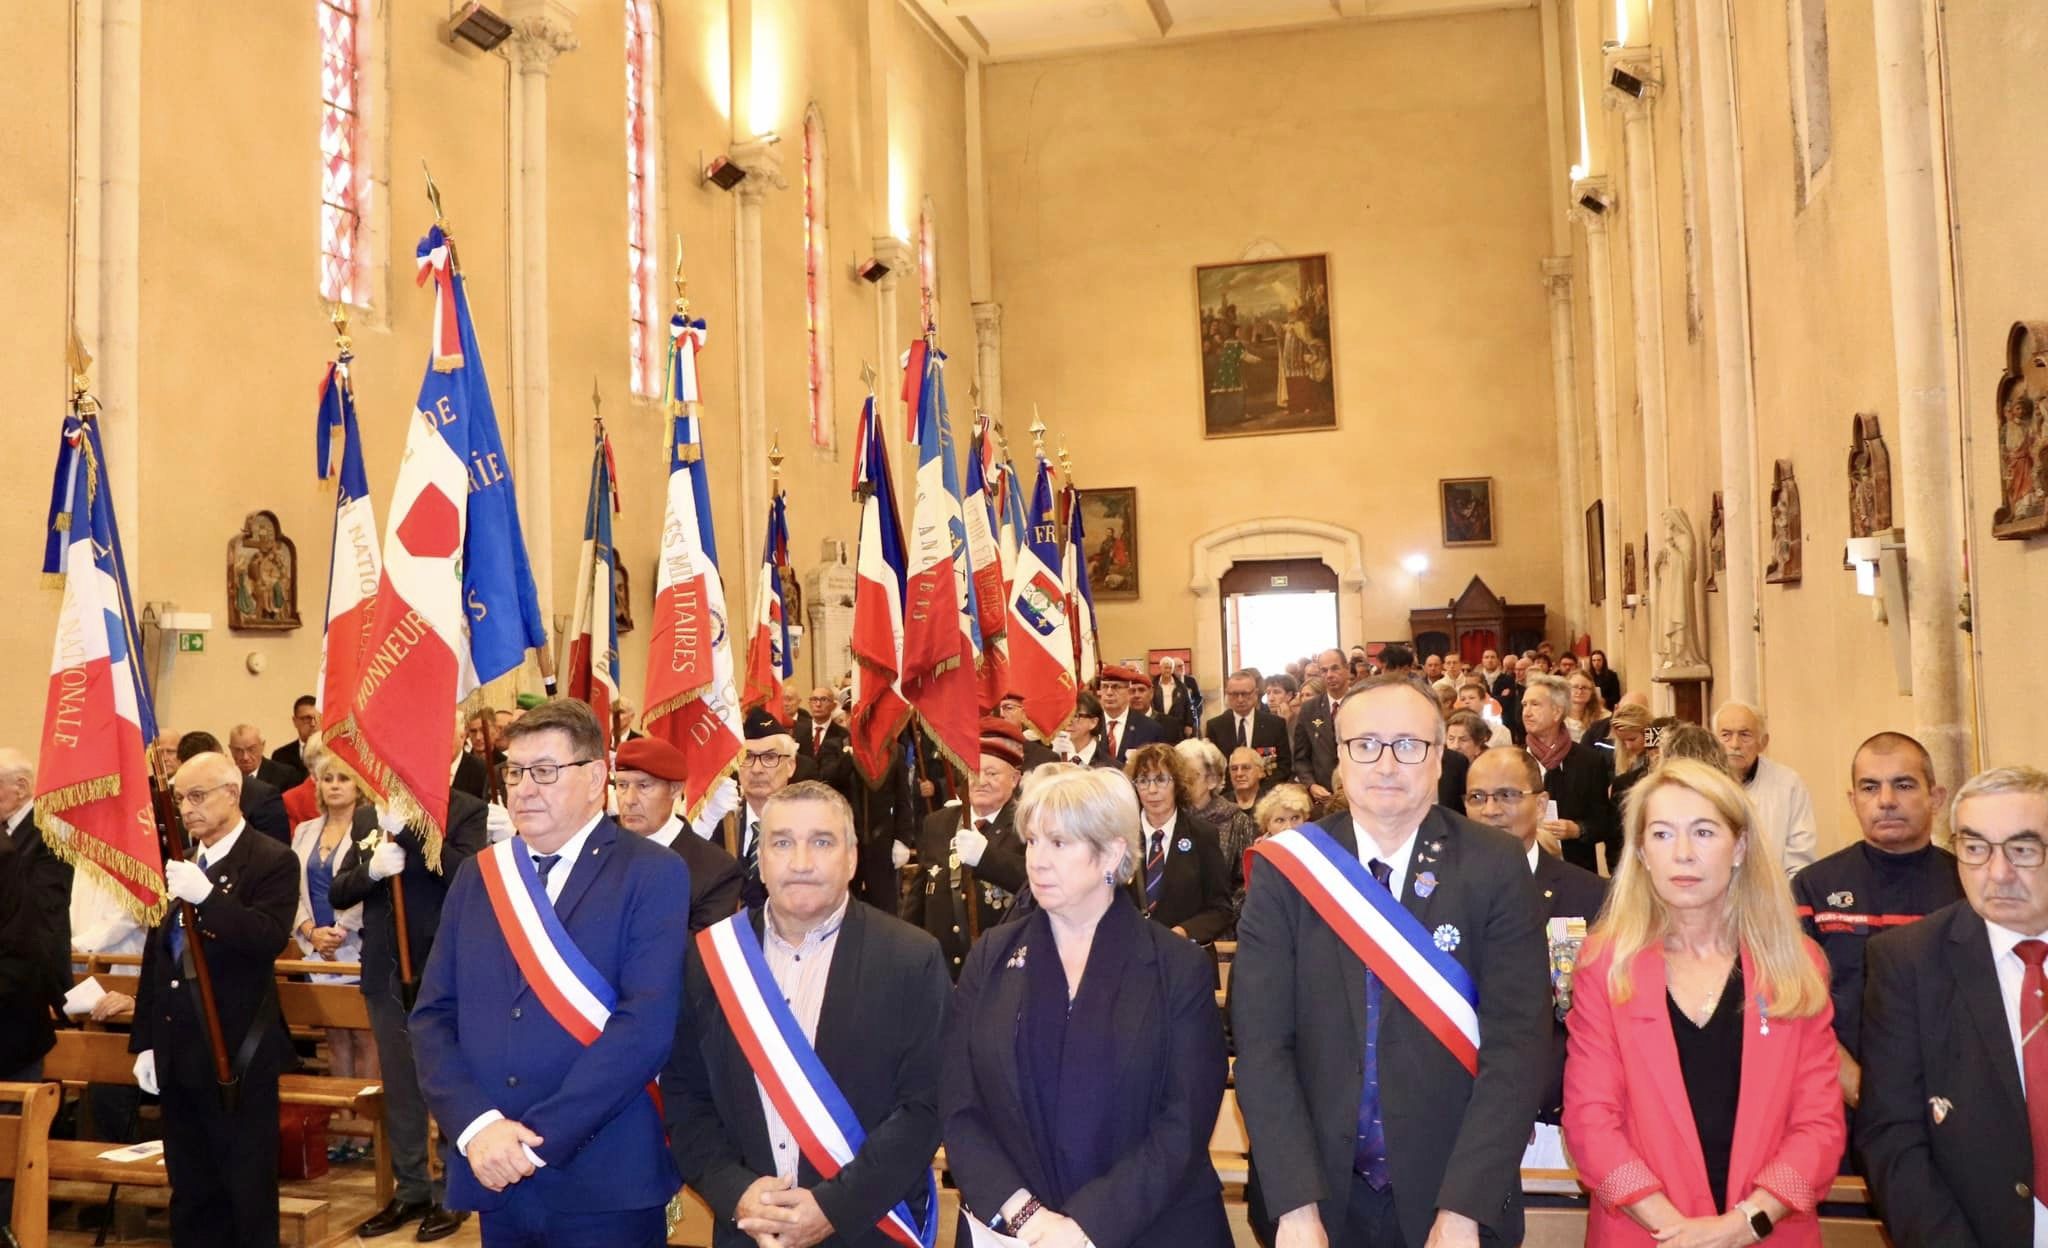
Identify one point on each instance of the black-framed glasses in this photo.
(1407, 750)
(1487, 797)
(2024, 852)
(540, 773)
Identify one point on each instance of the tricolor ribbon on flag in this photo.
(1080, 595)
(984, 556)
(770, 659)
(590, 662)
(879, 709)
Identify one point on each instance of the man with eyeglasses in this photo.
(1247, 725)
(768, 764)
(1315, 728)
(1368, 1127)
(1953, 1124)
(221, 1157)
(647, 782)
(550, 1002)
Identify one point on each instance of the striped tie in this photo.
(1155, 869)
(1369, 1155)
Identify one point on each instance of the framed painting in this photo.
(1109, 529)
(1596, 553)
(1467, 507)
(1268, 359)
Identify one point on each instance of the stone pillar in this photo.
(1730, 329)
(764, 173)
(988, 357)
(540, 33)
(1910, 129)
(1593, 204)
(1564, 382)
(1646, 293)
(889, 342)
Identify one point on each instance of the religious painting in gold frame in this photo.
(1268, 356)
(1466, 505)
(1109, 529)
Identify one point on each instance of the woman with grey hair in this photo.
(1084, 1061)
(1209, 798)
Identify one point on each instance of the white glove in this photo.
(498, 822)
(187, 882)
(387, 860)
(145, 1071)
(1062, 745)
(970, 844)
(899, 854)
(390, 820)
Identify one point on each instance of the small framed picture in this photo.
(1467, 504)
(1109, 527)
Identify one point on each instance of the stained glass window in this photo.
(817, 336)
(643, 247)
(341, 181)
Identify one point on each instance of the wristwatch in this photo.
(1759, 1221)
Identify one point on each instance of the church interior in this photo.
(1690, 331)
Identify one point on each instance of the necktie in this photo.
(1244, 739)
(1155, 869)
(544, 863)
(178, 920)
(1369, 1158)
(818, 742)
(2034, 1052)
(1111, 742)
(750, 861)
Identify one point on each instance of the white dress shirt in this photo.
(1166, 843)
(1397, 862)
(800, 971)
(665, 835)
(1113, 728)
(2012, 974)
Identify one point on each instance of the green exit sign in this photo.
(191, 643)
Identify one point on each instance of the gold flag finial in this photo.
(1066, 464)
(775, 464)
(1037, 432)
(682, 283)
(337, 316)
(434, 195)
(80, 361)
(596, 402)
(868, 376)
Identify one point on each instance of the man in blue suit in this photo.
(559, 1141)
(1124, 729)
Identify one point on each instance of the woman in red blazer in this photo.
(1700, 1097)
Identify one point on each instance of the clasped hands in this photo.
(497, 1154)
(779, 1214)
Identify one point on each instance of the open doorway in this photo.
(1275, 611)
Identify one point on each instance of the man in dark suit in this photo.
(768, 763)
(364, 879)
(1123, 729)
(647, 782)
(47, 878)
(1365, 1129)
(221, 1158)
(824, 742)
(868, 993)
(1174, 701)
(1245, 723)
(262, 805)
(557, 1141)
(305, 722)
(978, 838)
(26, 1029)
(1315, 728)
(1951, 1009)
(245, 746)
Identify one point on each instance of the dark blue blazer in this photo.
(1138, 730)
(484, 1041)
(1168, 1081)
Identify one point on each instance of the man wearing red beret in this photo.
(977, 838)
(647, 780)
(1122, 731)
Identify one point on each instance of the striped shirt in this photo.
(800, 971)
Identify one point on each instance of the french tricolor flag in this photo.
(591, 664)
(991, 590)
(941, 627)
(770, 661)
(1041, 632)
(879, 709)
(1080, 596)
(354, 565)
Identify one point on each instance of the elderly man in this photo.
(978, 838)
(824, 743)
(647, 782)
(1784, 808)
(1575, 776)
(558, 1139)
(1433, 668)
(1951, 1129)
(1245, 724)
(1375, 1118)
(1315, 727)
(262, 804)
(843, 1000)
(46, 877)
(1891, 877)
(220, 1152)
(245, 746)
(305, 722)
(767, 765)
(1121, 731)
(1176, 701)
(625, 717)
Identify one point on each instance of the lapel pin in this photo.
(1425, 884)
(1183, 845)
(1436, 847)
(1016, 962)
(935, 871)
(1447, 937)
(1940, 1105)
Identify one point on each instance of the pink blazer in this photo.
(1628, 1124)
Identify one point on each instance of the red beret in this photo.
(1003, 739)
(655, 757)
(1127, 675)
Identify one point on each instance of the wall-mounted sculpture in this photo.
(1679, 656)
(1786, 566)
(1717, 546)
(2023, 434)
(1628, 575)
(263, 576)
(1870, 478)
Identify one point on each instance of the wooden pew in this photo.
(25, 1157)
(319, 1006)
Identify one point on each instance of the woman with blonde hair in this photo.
(1628, 732)
(1696, 995)
(1587, 718)
(325, 932)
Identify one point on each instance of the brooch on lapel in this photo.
(1315, 723)
(1447, 937)
(1016, 962)
(1183, 845)
(1841, 900)
(1940, 1105)
(369, 843)
(1425, 884)
(935, 870)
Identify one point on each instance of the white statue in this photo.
(1678, 645)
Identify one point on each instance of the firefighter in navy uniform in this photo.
(1893, 876)
(978, 838)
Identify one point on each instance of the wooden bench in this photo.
(25, 1157)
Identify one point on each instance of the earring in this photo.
(1109, 878)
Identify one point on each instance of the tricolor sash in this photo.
(788, 1068)
(568, 986)
(1391, 942)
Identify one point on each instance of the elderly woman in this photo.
(1576, 776)
(1695, 994)
(1183, 881)
(1287, 806)
(1467, 733)
(1248, 780)
(323, 933)
(1586, 718)
(1084, 1061)
(1210, 801)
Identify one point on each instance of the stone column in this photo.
(1593, 203)
(764, 173)
(540, 33)
(889, 342)
(988, 357)
(1564, 382)
(1646, 293)
(1910, 128)
(1734, 382)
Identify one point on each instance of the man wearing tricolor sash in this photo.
(802, 1092)
(1391, 1004)
(549, 1004)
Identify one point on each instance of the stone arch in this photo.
(1272, 537)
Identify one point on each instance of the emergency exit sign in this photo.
(191, 643)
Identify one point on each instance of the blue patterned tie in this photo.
(178, 923)
(542, 864)
(1369, 1159)
(1155, 869)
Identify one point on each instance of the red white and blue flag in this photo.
(941, 625)
(692, 699)
(1010, 523)
(770, 661)
(354, 564)
(1041, 631)
(92, 771)
(1080, 597)
(991, 583)
(590, 664)
(879, 709)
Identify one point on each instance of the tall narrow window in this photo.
(341, 174)
(817, 320)
(927, 264)
(643, 245)
(1813, 126)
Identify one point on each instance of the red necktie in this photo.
(1112, 740)
(2034, 1052)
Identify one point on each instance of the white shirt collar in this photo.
(1166, 827)
(218, 851)
(1397, 862)
(1533, 851)
(2004, 938)
(572, 849)
(665, 835)
(15, 820)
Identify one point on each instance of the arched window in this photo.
(643, 240)
(927, 263)
(817, 304)
(342, 181)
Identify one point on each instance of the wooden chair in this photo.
(1229, 1145)
(320, 1006)
(25, 1157)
